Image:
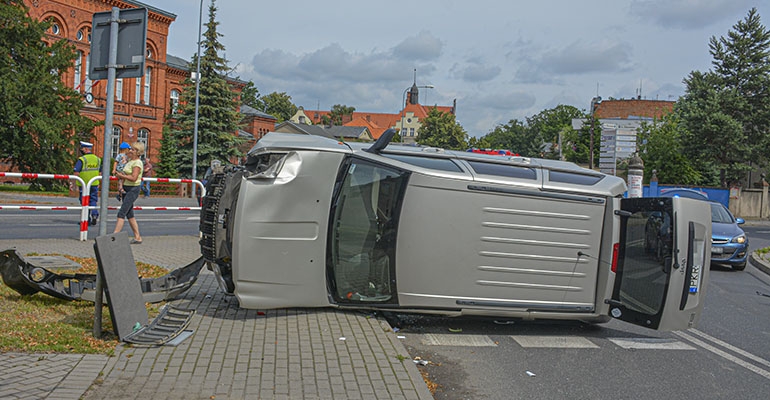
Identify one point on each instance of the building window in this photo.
(138, 94)
(119, 89)
(115, 141)
(55, 28)
(89, 84)
(411, 131)
(77, 72)
(143, 136)
(174, 101)
(147, 80)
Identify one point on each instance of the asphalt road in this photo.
(726, 357)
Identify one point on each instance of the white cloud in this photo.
(687, 14)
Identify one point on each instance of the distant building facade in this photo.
(619, 121)
(407, 122)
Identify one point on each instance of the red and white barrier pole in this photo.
(85, 198)
(84, 213)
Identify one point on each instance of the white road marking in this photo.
(555, 342)
(727, 356)
(650, 344)
(437, 339)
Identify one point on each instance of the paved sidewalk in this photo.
(233, 353)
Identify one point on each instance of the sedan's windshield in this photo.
(719, 214)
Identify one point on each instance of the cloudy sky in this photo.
(501, 60)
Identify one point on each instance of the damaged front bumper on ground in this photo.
(27, 278)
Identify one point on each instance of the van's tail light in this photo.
(615, 249)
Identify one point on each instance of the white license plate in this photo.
(716, 250)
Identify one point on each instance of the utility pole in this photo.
(594, 105)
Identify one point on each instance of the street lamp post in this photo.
(197, 101)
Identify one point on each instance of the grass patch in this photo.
(40, 323)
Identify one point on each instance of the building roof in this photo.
(248, 110)
(177, 62)
(333, 132)
(157, 10)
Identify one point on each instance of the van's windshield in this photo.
(363, 231)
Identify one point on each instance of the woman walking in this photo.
(131, 174)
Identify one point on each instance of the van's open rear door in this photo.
(663, 262)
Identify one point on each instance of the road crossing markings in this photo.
(438, 339)
(727, 356)
(555, 342)
(650, 344)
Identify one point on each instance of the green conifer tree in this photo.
(218, 116)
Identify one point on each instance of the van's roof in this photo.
(278, 141)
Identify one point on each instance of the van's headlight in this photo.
(739, 239)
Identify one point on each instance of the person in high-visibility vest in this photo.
(88, 166)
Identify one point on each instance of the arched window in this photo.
(88, 84)
(77, 72)
(115, 141)
(55, 28)
(147, 80)
(174, 101)
(143, 135)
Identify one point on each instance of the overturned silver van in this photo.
(309, 221)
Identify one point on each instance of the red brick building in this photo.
(633, 108)
(141, 104)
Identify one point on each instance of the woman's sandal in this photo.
(134, 241)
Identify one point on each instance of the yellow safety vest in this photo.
(91, 166)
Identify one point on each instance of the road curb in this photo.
(760, 263)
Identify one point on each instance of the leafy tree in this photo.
(513, 136)
(727, 110)
(40, 121)
(218, 118)
(576, 144)
(338, 112)
(661, 150)
(279, 105)
(546, 125)
(439, 129)
(250, 96)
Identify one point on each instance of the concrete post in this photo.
(635, 176)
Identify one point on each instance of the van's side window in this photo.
(576, 179)
(441, 164)
(509, 171)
